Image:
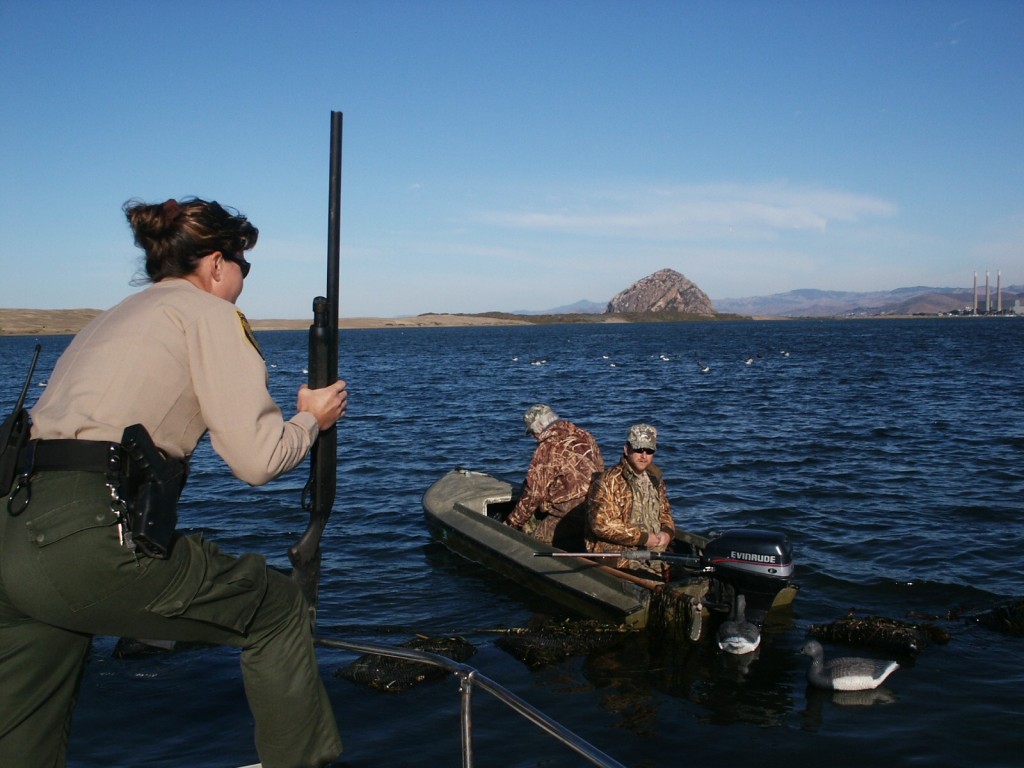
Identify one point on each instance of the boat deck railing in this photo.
(470, 679)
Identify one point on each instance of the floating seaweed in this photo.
(545, 644)
(881, 632)
(1007, 618)
(389, 674)
(677, 613)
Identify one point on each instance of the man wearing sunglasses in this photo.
(628, 506)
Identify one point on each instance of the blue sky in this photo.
(518, 154)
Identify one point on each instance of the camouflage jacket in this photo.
(610, 523)
(558, 479)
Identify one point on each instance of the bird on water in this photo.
(847, 673)
(737, 635)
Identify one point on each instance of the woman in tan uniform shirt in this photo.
(179, 359)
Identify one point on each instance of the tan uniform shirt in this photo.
(177, 360)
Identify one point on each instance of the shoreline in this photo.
(67, 322)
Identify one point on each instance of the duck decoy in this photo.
(846, 673)
(737, 635)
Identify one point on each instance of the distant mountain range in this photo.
(810, 302)
(582, 307)
(917, 300)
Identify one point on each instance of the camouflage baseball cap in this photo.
(539, 418)
(643, 436)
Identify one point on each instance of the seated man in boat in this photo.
(552, 508)
(628, 506)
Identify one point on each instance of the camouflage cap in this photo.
(539, 418)
(643, 436)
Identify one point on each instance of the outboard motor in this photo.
(755, 563)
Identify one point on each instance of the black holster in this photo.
(150, 485)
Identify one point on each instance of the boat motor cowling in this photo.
(755, 563)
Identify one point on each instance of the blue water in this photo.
(891, 452)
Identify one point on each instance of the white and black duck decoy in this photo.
(846, 673)
(737, 635)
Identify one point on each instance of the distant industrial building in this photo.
(998, 309)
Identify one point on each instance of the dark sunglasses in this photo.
(244, 265)
(648, 451)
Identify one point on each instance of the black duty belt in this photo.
(63, 456)
(75, 456)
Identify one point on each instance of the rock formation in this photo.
(664, 291)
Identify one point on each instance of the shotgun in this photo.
(687, 561)
(319, 491)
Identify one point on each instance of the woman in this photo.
(180, 360)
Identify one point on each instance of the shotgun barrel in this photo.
(319, 493)
(631, 554)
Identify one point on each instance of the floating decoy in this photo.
(737, 635)
(847, 673)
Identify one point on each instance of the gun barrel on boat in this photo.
(688, 561)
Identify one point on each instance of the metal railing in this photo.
(470, 678)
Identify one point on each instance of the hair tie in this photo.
(171, 210)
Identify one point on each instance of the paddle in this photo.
(319, 492)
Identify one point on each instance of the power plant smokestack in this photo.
(975, 293)
(999, 292)
(988, 295)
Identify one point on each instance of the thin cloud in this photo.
(728, 211)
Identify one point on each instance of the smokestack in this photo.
(999, 292)
(975, 293)
(988, 295)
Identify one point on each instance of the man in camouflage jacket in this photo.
(628, 506)
(552, 507)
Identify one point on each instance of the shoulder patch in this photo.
(247, 330)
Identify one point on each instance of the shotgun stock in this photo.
(319, 493)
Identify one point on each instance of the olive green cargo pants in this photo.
(64, 576)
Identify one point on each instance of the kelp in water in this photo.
(542, 644)
(881, 632)
(384, 673)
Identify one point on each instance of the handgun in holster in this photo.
(150, 485)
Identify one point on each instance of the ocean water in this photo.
(890, 451)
